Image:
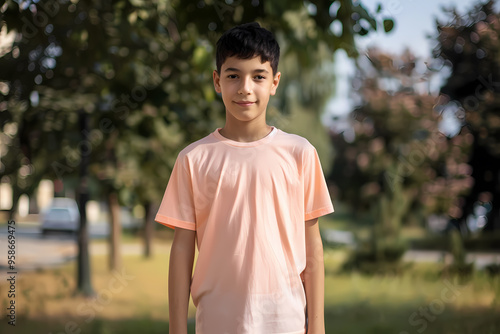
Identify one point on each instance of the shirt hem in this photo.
(319, 212)
(304, 331)
(299, 332)
(296, 332)
(173, 223)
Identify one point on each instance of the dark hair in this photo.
(247, 41)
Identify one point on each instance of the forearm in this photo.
(314, 284)
(179, 282)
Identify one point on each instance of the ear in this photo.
(276, 81)
(216, 81)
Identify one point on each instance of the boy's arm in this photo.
(179, 279)
(314, 279)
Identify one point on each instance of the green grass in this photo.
(410, 303)
(354, 303)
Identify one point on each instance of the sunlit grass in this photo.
(354, 303)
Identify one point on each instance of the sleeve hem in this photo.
(319, 212)
(173, 223)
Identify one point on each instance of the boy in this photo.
(249, 195)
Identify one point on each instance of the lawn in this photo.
(135, 300)
(361, 224)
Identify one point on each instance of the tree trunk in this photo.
(15, 198)
(115, 232)
(148, 230)
(83, 268)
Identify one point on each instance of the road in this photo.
(480, 260)
(34, 250)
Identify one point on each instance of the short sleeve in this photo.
(317, 201)
(177, 206)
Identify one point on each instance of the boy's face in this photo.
(246, 85)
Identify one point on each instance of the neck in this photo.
(245, 131)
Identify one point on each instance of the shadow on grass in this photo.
(96, 326)
(401, 304)
(356, 318)
(408, 319)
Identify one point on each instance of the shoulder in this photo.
(198, 147)
(294, 142)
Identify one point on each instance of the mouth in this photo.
(244, 103)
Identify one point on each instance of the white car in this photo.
(61, 215)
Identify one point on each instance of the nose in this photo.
(245, 86)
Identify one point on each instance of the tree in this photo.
(469, 49)
(142, 73)
(55, 67)
(398, 164)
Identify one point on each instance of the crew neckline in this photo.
(258, 142)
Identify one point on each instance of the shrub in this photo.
(377, 256)
(459, 266)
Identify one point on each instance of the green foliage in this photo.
(388, 25)
(386, 248)
(378, 256)
(383, 251)
(457, 247)
(107, 60)
(142, 71)
(399, 165)
(493, 269)
(397, 142)
(489, 242)
(390, 210)
(459, 266)
(468, 48)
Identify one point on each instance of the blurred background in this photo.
(400, 98)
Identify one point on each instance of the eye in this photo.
(260, 77)
(232, 76)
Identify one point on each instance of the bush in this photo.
(493, 269)
(377, 256)
(484, 242)
(459, 266)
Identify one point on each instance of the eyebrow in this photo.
(259, 70)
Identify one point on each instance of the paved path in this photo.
(480, 260)
(34, 250)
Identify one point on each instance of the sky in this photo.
(414, 20)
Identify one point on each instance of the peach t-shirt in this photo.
(248, 202)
